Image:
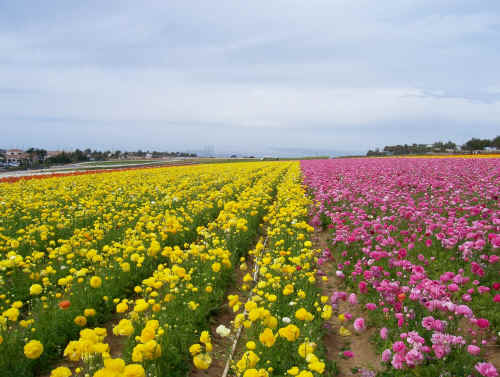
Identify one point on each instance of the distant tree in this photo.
(476, 144)
(496, 142)
(450, 145)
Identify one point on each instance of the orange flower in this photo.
(64, 304)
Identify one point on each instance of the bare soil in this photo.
(359, 344)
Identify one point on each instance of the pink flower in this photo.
(496, 298)
(371, 306)
(348, 354)
(483, 323)
(486, 369)
(473, 350)
(359, 324)
(386, 355)
(353, 299)
(398, 361)
(363, 287)
(383, 333)
(414, 357)
(398, 347)
(428, 323)
(439, 350)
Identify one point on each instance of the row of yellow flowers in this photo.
(118, 203)
(283, 317)
(84, 295)
(172, 304)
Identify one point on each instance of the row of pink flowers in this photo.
(417, 241)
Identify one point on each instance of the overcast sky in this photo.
(248, 75)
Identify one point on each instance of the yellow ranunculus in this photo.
(36, 289)
(290, 332)
(202, 361)
(33, 349)
(95, 282)
(267, 337)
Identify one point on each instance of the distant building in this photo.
(53, 153)
(15, 156)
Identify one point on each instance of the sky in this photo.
(274, 76)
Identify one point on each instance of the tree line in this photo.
(37, 157)
(471, 145)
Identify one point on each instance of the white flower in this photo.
(292, 303)
(286, 320)
(223, 331)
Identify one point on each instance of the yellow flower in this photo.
(255, 373)
(95, 282)
(124, 327)
(89, 312)
(134, 370)
(205, 337)
(293, 371)
(80, 320)
(341, 317)
(251, 345)
(305, 373)
(202, 361)
(121, 307)
(306, 348)
(288, 289)
(73, 350)
(61, 372)
(216, 267)
(303, 315)
(290, 332)
(344, 332)
(195, 349)
(114, 365)
(33, 349)
(36, 289)
(267, 337)
(248, 360)
(140, 305)
(327, 312)
(12, 314)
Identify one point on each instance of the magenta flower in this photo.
(383, 333)
(386, 355)
(359, 324)
(473, 350)
(486, 369)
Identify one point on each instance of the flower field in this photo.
(124, 273)
(415, 245)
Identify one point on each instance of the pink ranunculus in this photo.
(496, 298)
(473, 350)
(483, 323)
(486, 369)
(414, 357)
(428, 322)
(353, 299)
(398, 347)
(398, 361)
(383, 333)
(371, 306)
(363, 287)
(386, 355)
(348, 354)
(359, 324)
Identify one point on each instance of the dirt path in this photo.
(364, 352)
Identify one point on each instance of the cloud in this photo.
(315, 74)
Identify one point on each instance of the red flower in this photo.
(64, 304)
